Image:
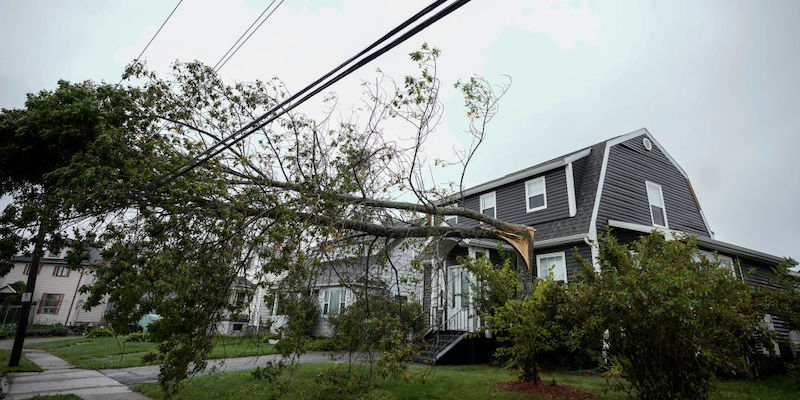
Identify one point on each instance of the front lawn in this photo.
(25, 365)
(105, 352)
(444, 382)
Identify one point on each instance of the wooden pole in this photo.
(27, 297)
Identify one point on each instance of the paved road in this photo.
(136, 375)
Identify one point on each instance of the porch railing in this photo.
(457, 321)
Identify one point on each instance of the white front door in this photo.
(458, 300)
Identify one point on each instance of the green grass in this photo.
(105, 352)
(445, 382)
(25, 365)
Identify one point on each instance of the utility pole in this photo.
(27, 297)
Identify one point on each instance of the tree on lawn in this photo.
(672, 318)
(286, 196)
(63, 157)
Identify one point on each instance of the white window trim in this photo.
(527, 194)
(560, 253)
(487, 195)
(649, 184)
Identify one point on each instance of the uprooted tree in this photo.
(285, 196)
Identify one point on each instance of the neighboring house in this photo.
(342, 282)
(241, 293)
(56, 298)
(629, 183)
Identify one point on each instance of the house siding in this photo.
(624, 194)
(511, 202)
(70, 312)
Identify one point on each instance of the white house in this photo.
(56, 298)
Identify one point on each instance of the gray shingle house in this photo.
(628, 183)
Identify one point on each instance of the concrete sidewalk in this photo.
(61, 377)
(149, 373)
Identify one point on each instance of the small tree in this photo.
(671, 318)
(531, 330)
(379, 321)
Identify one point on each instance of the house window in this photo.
(451, 219)
(334, 301)
(28, 266)
(488, 205)
(535, 194)
(727, 263)
(61, 270)
(50, 304)
(724, 261)
(655, 197)
(555, 262)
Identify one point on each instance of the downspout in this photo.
(74, 296)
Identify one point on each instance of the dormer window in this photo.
(535, 194)
(655, 197)
(489, 205)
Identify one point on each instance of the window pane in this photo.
(559, 267)
(658, 215)
(654, 195)
(536, 187)
(536, 201)
(487, 201)
(489, 212)
(333, 307)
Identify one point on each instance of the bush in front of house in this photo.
(137, 337)
(322, 344)
(46, 330)
(99, 333)
(7, 330)
(672, 320)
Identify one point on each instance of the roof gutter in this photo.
(705, 241)
(526, 173)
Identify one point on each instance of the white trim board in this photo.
(573, 208)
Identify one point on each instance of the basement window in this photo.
(535, 194)
(489, 205)
(655, 197)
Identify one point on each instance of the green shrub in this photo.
(99, 332)
(7, 330)
(46, 330)
(137, 337)
(321, 344)
(672, 319)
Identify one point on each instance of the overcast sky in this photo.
(716, 82)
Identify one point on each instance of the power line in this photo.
(290, 103)
(159, 30)
(223, 60)
(141, 53)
